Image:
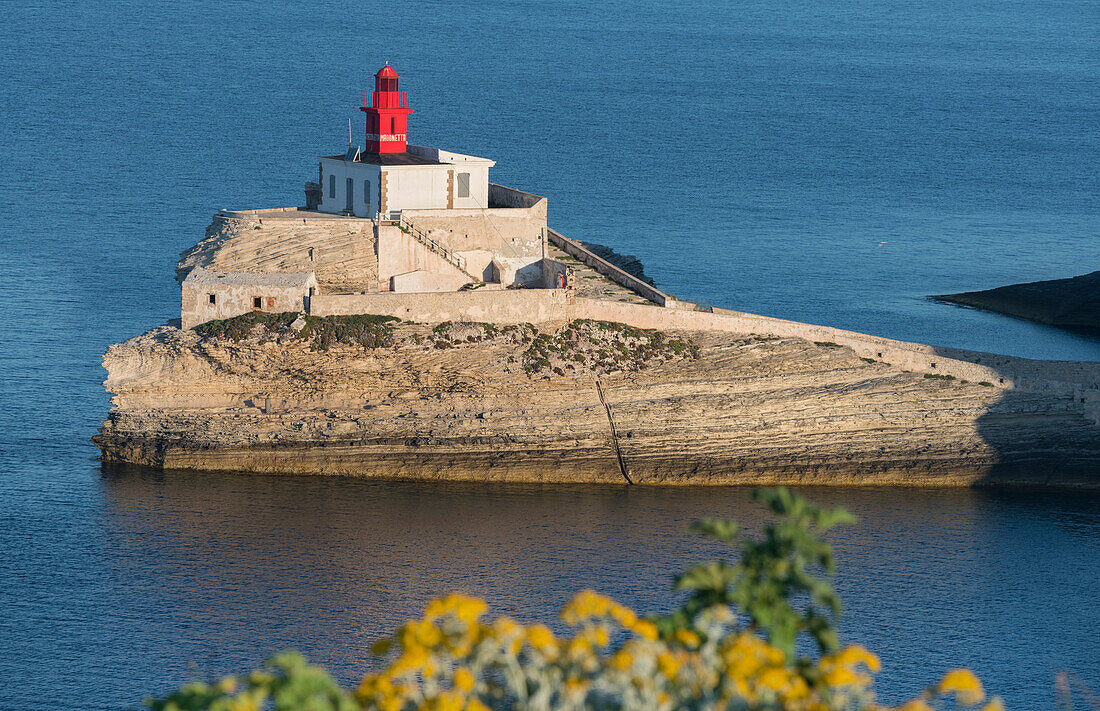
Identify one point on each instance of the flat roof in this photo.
(205, 277)
(389, 159)
(449, 157)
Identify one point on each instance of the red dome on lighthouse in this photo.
(387, 72)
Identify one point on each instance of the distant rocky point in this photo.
(1067, 303)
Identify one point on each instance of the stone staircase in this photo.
(422, 237)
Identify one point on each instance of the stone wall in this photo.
(502, 307)
(342, 253)
(404, 264)
(610, 271)
(426, 281)
(480, 236)
(548, 305)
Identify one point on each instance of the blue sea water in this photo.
(834, 162)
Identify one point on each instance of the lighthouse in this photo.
(387, 110)
(388, 174)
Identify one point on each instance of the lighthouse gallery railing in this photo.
(386, 100)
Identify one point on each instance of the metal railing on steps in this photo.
(422, 237)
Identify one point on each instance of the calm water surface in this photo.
(833, 162)
(123, 581)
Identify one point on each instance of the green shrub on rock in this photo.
(240, 327)
(366, 330)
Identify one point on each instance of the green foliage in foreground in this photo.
(240, 327)
(285, 683)
(770, 574)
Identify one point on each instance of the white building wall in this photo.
(359, 173)
(420, 282)
(412, 187)
(478, 168)
(408, 187)
(479, 186)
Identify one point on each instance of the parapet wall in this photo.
(502, 196)
(609, 270)
(548, 305)
(503, 307)
(908, 356)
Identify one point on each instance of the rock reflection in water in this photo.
(222, 569)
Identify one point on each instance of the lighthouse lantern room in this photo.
(389, 175)
(387, 111)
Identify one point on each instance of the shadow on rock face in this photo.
(1047, 431)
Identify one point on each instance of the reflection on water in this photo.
(221, 570)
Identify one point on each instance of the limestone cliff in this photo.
(576, 403)
(341, 252)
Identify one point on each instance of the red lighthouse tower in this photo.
(387, 110)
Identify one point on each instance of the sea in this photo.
(835, 162)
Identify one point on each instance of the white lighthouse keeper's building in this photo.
(389, 175)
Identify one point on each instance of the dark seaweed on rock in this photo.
(603, 347)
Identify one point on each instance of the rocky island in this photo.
(415, 320)
(1073, 304)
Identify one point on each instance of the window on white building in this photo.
(332, 186)
(464, 185)
(213, 299)
(257, 302)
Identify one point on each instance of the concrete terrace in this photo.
(591, 284)
(285, 213)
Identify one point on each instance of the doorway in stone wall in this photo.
(349, 192)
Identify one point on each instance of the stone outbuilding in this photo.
(209, 295)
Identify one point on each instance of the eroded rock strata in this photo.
(481, 402)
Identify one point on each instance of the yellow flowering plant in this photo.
(730, 647)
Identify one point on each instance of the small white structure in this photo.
(364, 184)
(209, 295)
